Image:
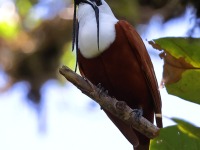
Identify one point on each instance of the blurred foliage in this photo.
(23, 7)
(37, 41)
(66, 55)
(141, 11)
(10, 28)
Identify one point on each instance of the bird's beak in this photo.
(76, 24)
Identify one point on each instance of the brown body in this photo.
(126, 71)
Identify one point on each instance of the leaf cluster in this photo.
(181, 72)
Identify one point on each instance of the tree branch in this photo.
(117, 108)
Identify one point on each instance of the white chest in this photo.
(88, 34)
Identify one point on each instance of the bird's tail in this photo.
(142, 147)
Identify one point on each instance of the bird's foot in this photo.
(102, 91)
(138, 113)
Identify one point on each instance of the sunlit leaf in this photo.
(172, 138)
(181, 66)
(188, 128)
(187, 48)
(8, 30)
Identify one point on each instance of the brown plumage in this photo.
(126, 71)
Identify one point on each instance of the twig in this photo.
(117, 108)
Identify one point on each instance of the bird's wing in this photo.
(136, 42)
(126, 130)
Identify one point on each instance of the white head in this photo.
(96, 27)
(87, 8)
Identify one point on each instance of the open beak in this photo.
(76, 24)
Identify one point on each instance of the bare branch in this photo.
(117, 108)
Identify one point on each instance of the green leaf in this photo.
(187, 48)
(188, 128)
(172, 138)
(181, 66)
(188, 87)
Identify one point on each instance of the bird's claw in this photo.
(138, 113)
(102, 90)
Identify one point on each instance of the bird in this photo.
(112, 53)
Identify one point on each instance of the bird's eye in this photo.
(98, 2)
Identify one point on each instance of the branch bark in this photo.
(117, 108)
